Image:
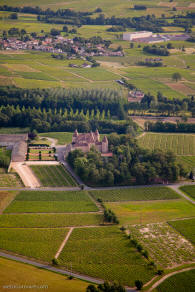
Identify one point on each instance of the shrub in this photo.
(54, 262)
(139, 284)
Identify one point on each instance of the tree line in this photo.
(129, 164)
(170, 127)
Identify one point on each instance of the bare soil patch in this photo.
(192, 5)
(167, 4)
(12, 52)
(181, 87)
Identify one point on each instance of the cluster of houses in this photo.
(149, 37)
(153, 60)
(58, 45)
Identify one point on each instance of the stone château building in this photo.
(86, 140)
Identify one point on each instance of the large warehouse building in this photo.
(130, 36)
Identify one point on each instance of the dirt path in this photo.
(143, 134)
(42, 163)
(52, 140)
(64, 242)
(26, 175)
(176, 189)
(167, 276)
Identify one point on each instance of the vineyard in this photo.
(105, 252)
(49, 220)
(53, 175)
(165, 246)
(180, 283)
(185, 227)
(189, 190)
(180, 144)
(35, 243)
(51, 202)
(135, 194)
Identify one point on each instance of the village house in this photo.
(85, 141)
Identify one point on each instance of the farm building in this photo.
(86, 140)
(18, 145)
(135, 96)
(131, 36)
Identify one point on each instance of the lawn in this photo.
(180, 144)
(17, 273)
(105, 253)
(151, 212)
(189, 190)
(61, 137)
(165, 246)
(51, 202)
(53, 175)
(135, 194)
(49, 220)
(37, 243)
(181, 282)
(185, 227)
(12, 130)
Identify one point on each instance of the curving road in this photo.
(56, 270)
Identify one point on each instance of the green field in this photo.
(106, 253)
(181, 282)
(8, 130)
(5, 199)
(51, 202)
(185, 227)
(189, 190)
(9, 179)
(49, 220)
(180, 144)
(135, 194)
(16, 273)
(151, 212)
(53, 175)
(61, 137)
(36, 243)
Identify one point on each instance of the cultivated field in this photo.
(135, 194)
(36, 243)
(49, 220)
(51, 202)
(187, 161)
(53, 175)
(106, 253)
(151, 212)
(186, 228)
(189, 190)
(180, 144)
(165, 246)
(181, 282)
(14, 272)
(5, 199)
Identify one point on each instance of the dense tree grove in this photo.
(64, 110)
(106, 287)
(155, 50)
(170, 127)
(128, 165)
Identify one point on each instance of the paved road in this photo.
(55, 269)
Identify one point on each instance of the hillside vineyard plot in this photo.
(105, 253)
(51, 202)
(165, 246)
(135, 194)
(180, 144)
(189, 190)
(53, 175)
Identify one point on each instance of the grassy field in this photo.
(36, 243)
(61, 137)
(5, 199)
(165, 246)
(51, 202)
(53, 175)
(185, 227)
(12, 130)
(151, 212)
(106, 253)
(180, 144)
(181, 282)
(9, 179)
(189, 190)
(49, 220)
(135, 194)
(17, 273)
